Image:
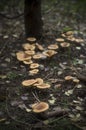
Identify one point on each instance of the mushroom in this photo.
(78, 40)
(69, 33)
(53, 46)
(49, 53)
(21, 56)
(39, 56)
(31, 39)
(68, 77)
(43, 86)
(40, 107)
(28, 82)
(30, 52)
(63, 35)
(76, 80)
(28, 46)
(28, 62)
(34, 65)
(60, 40)
(34, 71)
(40, 47)
(39, 81)
(65, 44)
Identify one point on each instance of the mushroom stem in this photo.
(36, 97)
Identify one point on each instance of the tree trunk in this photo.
(32, 18)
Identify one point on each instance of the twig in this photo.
(36, 97)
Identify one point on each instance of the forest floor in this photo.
(15, 100)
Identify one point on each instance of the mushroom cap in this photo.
(28, 46)
(39, 81)
(65, 44)
(76, 80)
(49, 53)
(21, 56)
(69, 33)
(34, 71)
(78, 40)
(31, 39)
(44, 86)
(39, 56)
(28, 62)
(69, 77)
(40, 107)
(28, 82)
(59, 39)
(71, 38)
(53, 46)
(34, 65)
(30, 52)
(40, 47)
(63, 35)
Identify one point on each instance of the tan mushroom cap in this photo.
(21, 56)
(68, 33)
(31, 39)
(34, 65)
(44, 86)
(53, 46)
(71, 38)
(78, 40)
(49, 53)
(39, 56)
(28, 46)
(40, 47)
(60, 40)
(28, 62)
(63, 35)
(39, 81)
(28, 82)
(76, 80)
(69, 77)
(65, 44)
(40, 107)
(30, 52)
(34, 71)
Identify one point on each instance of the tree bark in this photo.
(32, 18)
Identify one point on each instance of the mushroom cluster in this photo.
(38, 82)
(34, 51)
(68, 37)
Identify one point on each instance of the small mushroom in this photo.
(49, 53)
(34, 65)
(63, 35)
(34, 71)
(30, 52)
(43, 86)
(40, 47)
(28, 46)
(21, 56)
(53, 46)
(76, 80)
(78, 40)
(31, 39)
(65, 44)
(39, 56)
(28, 62)
(68, 77)
(69, 33)
(39, 81)
(28, 82)
(60, 40)
(40, 107)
